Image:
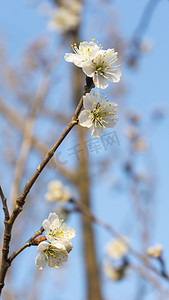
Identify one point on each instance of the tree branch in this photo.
(29, 243)
(143, 259)
(5, 263)
(5, 207)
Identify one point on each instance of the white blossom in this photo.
(73, 5)
(49, 253)
(97, 114)
(111, 272)
(96, 63)
(83, 54)
(57, 192)
(117, 248)
(155, 251)
(63, 20)
(103, 68)
(56, 233)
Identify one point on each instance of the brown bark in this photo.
(93, 278)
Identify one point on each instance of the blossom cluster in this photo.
(155, 251)
(101, 66)
(66, 17)
(57, 192)
(55, 250)
(96, 63)
(117, 251)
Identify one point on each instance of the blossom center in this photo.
(50, 251)
(57, 233)
(98, 114)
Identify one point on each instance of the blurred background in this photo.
(121, 178)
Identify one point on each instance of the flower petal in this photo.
(74, 58)
(56, 261)
(46, 224)
(69, 233)
(68, 246)
(88, 69)
(52, 216)
(114, 75)
(42, 246)
(111, 122)
(109, 106)
(70, 57)
(40, 261)
(59, 245)
(100, 81)
(96, 131)
(85, 118)
(89, 100)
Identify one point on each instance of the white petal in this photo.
(100, 81)
(68, 246)
(96, 131)
(64, 245)
(88, 101)
(52, 217)
(50, 238)
(46, 224)
(40, 261)
(42, 246)
(60, 256)
(78, 61)
(55, 184)
(50, 197)
(74, 58)
(114, 75)
(83, 45)
(59, 245)
(53, 262)
(70, 57)
(88, 69)
(85, 118)
(109, 106)
(69, 233)
(112, 122)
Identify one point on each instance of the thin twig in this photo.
(150, 279)
(27, 244)
(5, 263)
(4, 203)
(140, 30)
(49, 155)
(82, 208)
(144, 21)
